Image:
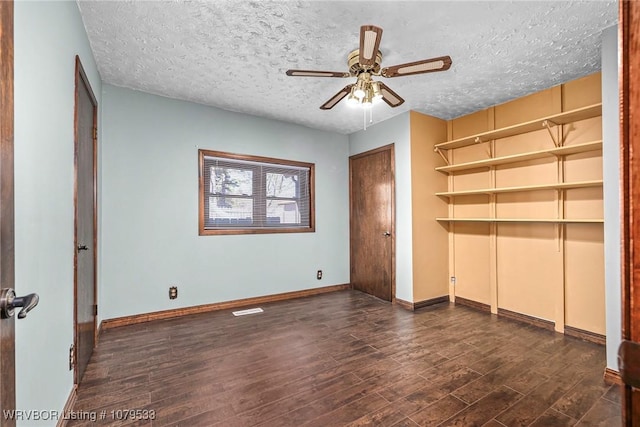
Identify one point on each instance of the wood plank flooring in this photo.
(346, 359)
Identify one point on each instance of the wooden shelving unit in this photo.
(525, 127)
(557, 151)
(521, 198)
(533, 155)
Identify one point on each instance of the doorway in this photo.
(372, 222)
(85, 259)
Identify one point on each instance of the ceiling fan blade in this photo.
(336, 98)
(315, 73)
(441, 63)
(370, 37)
(389, 96)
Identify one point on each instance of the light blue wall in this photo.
(149, 199)
(397, 131)
(611, 173)
(48, 35)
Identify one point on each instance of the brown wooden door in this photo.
(85, 222)
(629, 352)
(7, 326)
(372, 222)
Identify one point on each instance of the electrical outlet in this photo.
(319, 275)
(453, 280)
(173, 292)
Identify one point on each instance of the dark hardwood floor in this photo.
(346, 358)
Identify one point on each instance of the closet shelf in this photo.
(533, 125)
(560, 151)
(558, 186)
(527, 220)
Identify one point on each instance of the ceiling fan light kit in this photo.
(364, 63)
(365, 92)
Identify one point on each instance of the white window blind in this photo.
(255, 194)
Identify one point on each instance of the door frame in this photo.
(392, 168)
(629, 63)
(81, 79)
(7, 205)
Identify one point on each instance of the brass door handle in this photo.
(386, 234)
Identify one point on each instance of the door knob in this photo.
(386, 234)
(82, 248)
(9, 301)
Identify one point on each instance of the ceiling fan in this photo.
(364, 63)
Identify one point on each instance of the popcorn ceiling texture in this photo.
(234, 54)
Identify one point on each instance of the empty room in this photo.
(323, 213)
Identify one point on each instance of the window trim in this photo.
(202, 231)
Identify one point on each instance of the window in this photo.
(247, 194)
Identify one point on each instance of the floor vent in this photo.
(248, 311)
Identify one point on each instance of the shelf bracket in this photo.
(444, 157)
(480, 141)
(553, 137)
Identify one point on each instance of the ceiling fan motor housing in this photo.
(353, 60)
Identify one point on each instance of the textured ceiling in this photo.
(234, 54)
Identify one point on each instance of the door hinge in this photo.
(95, 133)
(95, 309)
(72, 357)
